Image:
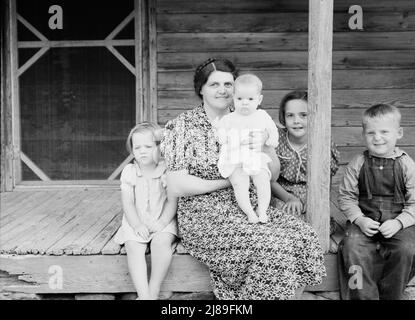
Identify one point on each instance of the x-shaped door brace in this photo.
(109, 42)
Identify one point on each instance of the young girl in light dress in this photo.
(149, 214)
(291, 186)
(237, 161)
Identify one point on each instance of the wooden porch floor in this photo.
(70, 222)
(57, 222)
(74, 229)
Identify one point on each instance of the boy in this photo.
(377, 256)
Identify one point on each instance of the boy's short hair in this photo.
(381, 110)
(250, 79)
(142, 127)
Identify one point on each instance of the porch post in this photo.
(319, 117)
(138, 42)
(10, 111)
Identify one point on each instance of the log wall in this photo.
(270, 38)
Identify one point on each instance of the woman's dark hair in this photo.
(293, 95)
(204, 70)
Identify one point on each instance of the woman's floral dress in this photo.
(246, 261)
(293, 175)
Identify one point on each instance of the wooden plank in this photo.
(75, 43)
(9, 200)
(347, 153)
(335, 212)
(34, 210)
(17, 165)
(29, 26)
(6, 156)
(109, 273)
(120, 167)
(400, 98)
(64, 213)
(152, 50)
(81, 223)
(340, 117)
(39, 172)
(353, 117)
(277, 60)
(112, 208)
(25, 209)
(32, 60)
(249, 6)
(297, 79)
(13, 210)
(27, 242)
(280, 41)
(69, 184)
(121, 58)
(111, 247)
(145, 56)
(121, 26)
(138, 54)
(352, 136)
(319, 118)
(99, 242)
(67, 221)
(278, 22)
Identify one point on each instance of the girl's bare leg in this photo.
(137, 266)
(161, 255)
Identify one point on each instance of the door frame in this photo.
(145, 72)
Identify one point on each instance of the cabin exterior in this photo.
(76, 78)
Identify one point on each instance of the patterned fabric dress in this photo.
(293, 175)
(246, 261)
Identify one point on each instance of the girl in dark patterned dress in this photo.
(291, 186)
(260, 261)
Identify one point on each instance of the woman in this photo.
(261, 261)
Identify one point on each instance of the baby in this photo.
(237, 161)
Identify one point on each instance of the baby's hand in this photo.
(142, 231)
(390, 227)
(293, 206)
(257, 139)
(368, 226)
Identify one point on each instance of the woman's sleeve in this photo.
(334, 160)
(174, 145)
(128, 174)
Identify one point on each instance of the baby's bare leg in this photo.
(263, 187)
(240, 184)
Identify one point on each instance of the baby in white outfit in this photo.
(237, 161)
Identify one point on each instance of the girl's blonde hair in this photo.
(141, 127)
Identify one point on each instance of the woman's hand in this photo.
(142, 231)
(293, 205)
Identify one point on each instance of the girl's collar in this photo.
(157, 172)
(290, 144)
